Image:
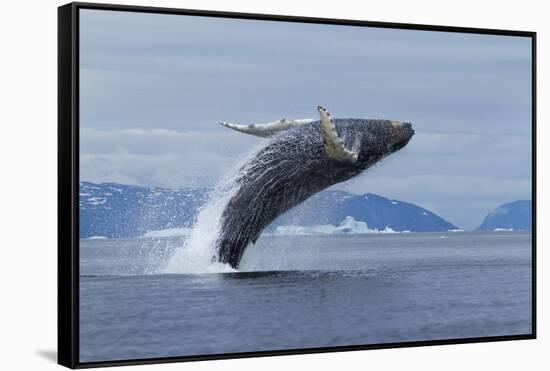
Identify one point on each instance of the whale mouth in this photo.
(407, 132)
(408, 126)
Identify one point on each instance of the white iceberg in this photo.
(170, 232)
(348, 226)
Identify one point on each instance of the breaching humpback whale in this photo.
(301, 158)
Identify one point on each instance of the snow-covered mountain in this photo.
(380, 213)
(515, 216)
(116, 211)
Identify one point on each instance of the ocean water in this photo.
(303, 292)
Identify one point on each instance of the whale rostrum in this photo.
(300, 158)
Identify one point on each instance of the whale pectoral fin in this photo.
(333, 144)
(266, 129)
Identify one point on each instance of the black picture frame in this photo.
(68, 180)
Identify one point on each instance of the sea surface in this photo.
(303, 292)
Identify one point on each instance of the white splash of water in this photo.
(196, 255)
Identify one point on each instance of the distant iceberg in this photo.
(503, 230)
(348, 226)
(170, 232)
(97, 238)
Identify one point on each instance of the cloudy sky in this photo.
(154, 87)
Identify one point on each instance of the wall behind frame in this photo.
(28, 146)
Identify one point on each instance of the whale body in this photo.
(300, 158)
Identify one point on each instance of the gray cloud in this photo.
(160, 157)
(153, 88)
